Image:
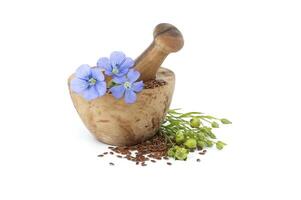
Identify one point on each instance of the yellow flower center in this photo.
(92, 81)
(127, 85)
(115, 70)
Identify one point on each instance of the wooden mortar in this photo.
(113, 121)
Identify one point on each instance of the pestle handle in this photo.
(167, 39)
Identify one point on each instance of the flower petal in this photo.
(117, 91)
(133, 75)
(104, 63)
(127, 63)
(101, 88)
(108, 73)
(117, 57)
(90, 93)
(97, 74)
(122, 72)
(130, 96)
(83, 72)
(78, 85)
(138, 86)
(119, 80)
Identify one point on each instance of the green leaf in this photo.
(208, 117)
(111, 84)
(174, 122)
(190, 114)
(226, 121)
(174, 111)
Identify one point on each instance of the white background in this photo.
(241, 60)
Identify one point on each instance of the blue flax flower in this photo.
(89, 82)
(117, 66)
(127, 86)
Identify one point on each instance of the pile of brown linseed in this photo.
(152, 150)
(154, 83)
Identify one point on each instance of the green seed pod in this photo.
(220, 145)
(226, 121)
(190, 143)
(201, 144)
(195, 122)
(171, 152)
(180, 137)
(181, 153)
(209, 143)
(214, 125)
(211, 135)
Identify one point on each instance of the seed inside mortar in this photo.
(154, 83)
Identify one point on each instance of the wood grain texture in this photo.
(167, 39)
(117, 123)
(114, 122)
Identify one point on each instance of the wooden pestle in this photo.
(167, 39)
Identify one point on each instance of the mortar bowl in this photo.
(114, 122)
